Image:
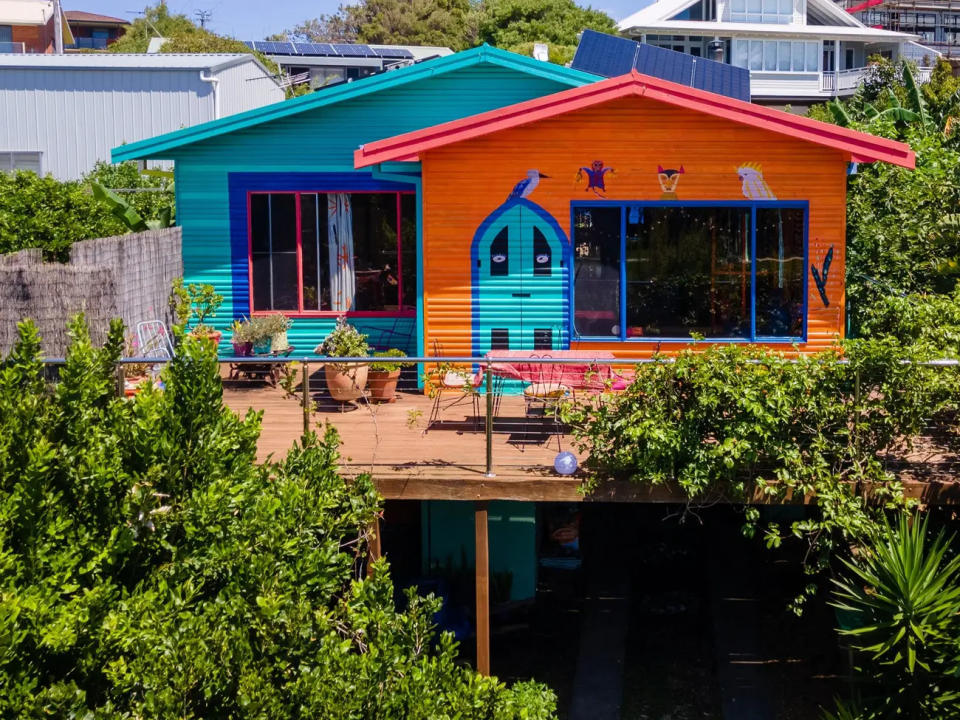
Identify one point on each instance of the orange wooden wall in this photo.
(464, 182)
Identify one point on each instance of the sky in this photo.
(255, 19)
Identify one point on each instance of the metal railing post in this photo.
(488, 381)
(306, 397)
(120, 384)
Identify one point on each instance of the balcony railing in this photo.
(83, 43)
(847, 80)
(17, 48)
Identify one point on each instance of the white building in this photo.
(60, 114)
(797, 51)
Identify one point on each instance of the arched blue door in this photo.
(520, 280)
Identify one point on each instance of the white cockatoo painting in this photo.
(752, 183)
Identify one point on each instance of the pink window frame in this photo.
(300, 312)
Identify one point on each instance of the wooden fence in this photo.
(127, 276)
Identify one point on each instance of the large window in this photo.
(779, 12)
(776, 55)
(316, 252)
(11, 161)
(668, 271)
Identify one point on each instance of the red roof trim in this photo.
(865, 147)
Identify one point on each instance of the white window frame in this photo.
(765, 55)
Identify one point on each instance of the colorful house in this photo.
(277, 218)
(633, 215)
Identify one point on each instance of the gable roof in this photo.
(151, 147)
(861, 147)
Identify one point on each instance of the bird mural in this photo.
(752, 183)
(526, 186)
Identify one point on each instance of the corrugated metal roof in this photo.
(861, 147)
(348, 91)
(122, 61)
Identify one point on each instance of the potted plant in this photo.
(274, 327)
(243, 337)
(197, 303)
(384, 374)
(345, 382)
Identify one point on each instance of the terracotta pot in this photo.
(383, 384)
(213, 336)
(347, 384)
(243, 349)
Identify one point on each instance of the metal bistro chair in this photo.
(154, 340)
(451, 387)
(547, 388)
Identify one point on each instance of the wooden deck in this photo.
(407, 460)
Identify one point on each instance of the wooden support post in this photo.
(305, 389)
(374, 550)
(482, 562)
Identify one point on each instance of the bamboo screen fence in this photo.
(126, 276)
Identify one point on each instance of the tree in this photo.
(903, 229)
(150, 567)
(514, 24)
(458, 24)
(181, 34)
(447, 23)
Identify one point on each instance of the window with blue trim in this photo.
(670, 271)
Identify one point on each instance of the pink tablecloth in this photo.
(521, 365)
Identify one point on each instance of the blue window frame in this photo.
(665, 271)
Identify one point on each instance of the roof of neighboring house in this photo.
(861, 147)
(661, 10)
(125, 61)
(80, 16)
(349, 91)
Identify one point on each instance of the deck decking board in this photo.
(448, 462)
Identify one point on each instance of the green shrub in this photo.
(151, 568)
(51, 215)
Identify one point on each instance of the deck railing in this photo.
(451, 418)
(17, 48)
(843, 80)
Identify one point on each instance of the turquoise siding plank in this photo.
(320, 140)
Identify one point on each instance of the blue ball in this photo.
(565, 463)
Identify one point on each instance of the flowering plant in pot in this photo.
(244, 334)
(384, 374)
(274, 327)
(345, 381)
(196, 303)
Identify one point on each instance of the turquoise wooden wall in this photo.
(447, 539)
(321, 140)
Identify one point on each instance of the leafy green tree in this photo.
(510, 24)
(903, 229)
(899, 601)
(182, 35)
(514, 24)
(150, 567)
(48, 214)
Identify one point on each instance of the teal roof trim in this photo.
(155, 146)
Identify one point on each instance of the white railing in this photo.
(17, 48)
(850, 79)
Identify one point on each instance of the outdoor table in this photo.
(269, 371)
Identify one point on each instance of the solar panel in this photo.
(274, 48)
(604, 55)
(393, 53)
(250, 44)
(319, 49)
(609, 56)
(353, 50)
